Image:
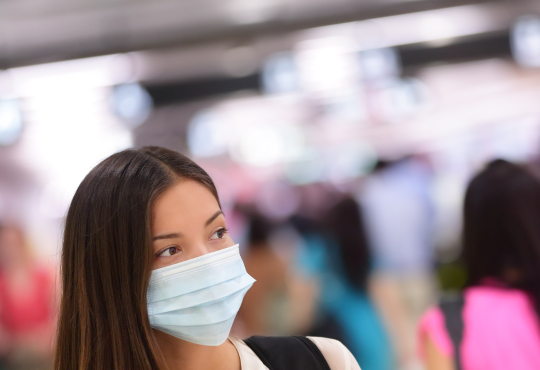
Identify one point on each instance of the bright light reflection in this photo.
(69, 127)
(426, 26)
(208, 135)
(265, 145)
(526, 41)
(10, 122)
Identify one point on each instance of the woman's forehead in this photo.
(187, 202)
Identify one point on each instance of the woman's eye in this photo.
(169, 251)
(219, 234)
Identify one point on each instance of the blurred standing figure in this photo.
(281, 303)
(261, 305)
(398, 213)
(27, 304)
(341, 258)
(397, 203)
(494, 324)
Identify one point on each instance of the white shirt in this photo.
(399, 216)
(335, 353)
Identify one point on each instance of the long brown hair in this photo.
(106, 260)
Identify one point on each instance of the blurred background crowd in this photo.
(341, 136)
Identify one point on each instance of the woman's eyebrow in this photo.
(179, 235)
(220, 212)
(167, 236)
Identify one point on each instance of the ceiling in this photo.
(38, 31)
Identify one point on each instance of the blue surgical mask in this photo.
(198, 299)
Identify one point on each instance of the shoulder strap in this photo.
(452, 309)
(287, 353)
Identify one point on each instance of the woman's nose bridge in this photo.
(200, 249)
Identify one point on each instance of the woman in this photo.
(152, 280)
(494, 324)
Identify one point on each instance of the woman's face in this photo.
(187, 223)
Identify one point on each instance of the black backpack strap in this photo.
(452, 309)
(287, 353)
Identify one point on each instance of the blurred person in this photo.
(398, 214)
(282, 302)
(338, 253)
(494, 324)
(152, 279)
(264, 302)
(396, 201)
(27, 304)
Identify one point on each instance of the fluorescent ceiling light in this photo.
(427, 26)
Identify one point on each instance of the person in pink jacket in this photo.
(494, 324)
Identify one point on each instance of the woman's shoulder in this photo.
(336, 354)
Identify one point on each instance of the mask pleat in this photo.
(203, 296)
